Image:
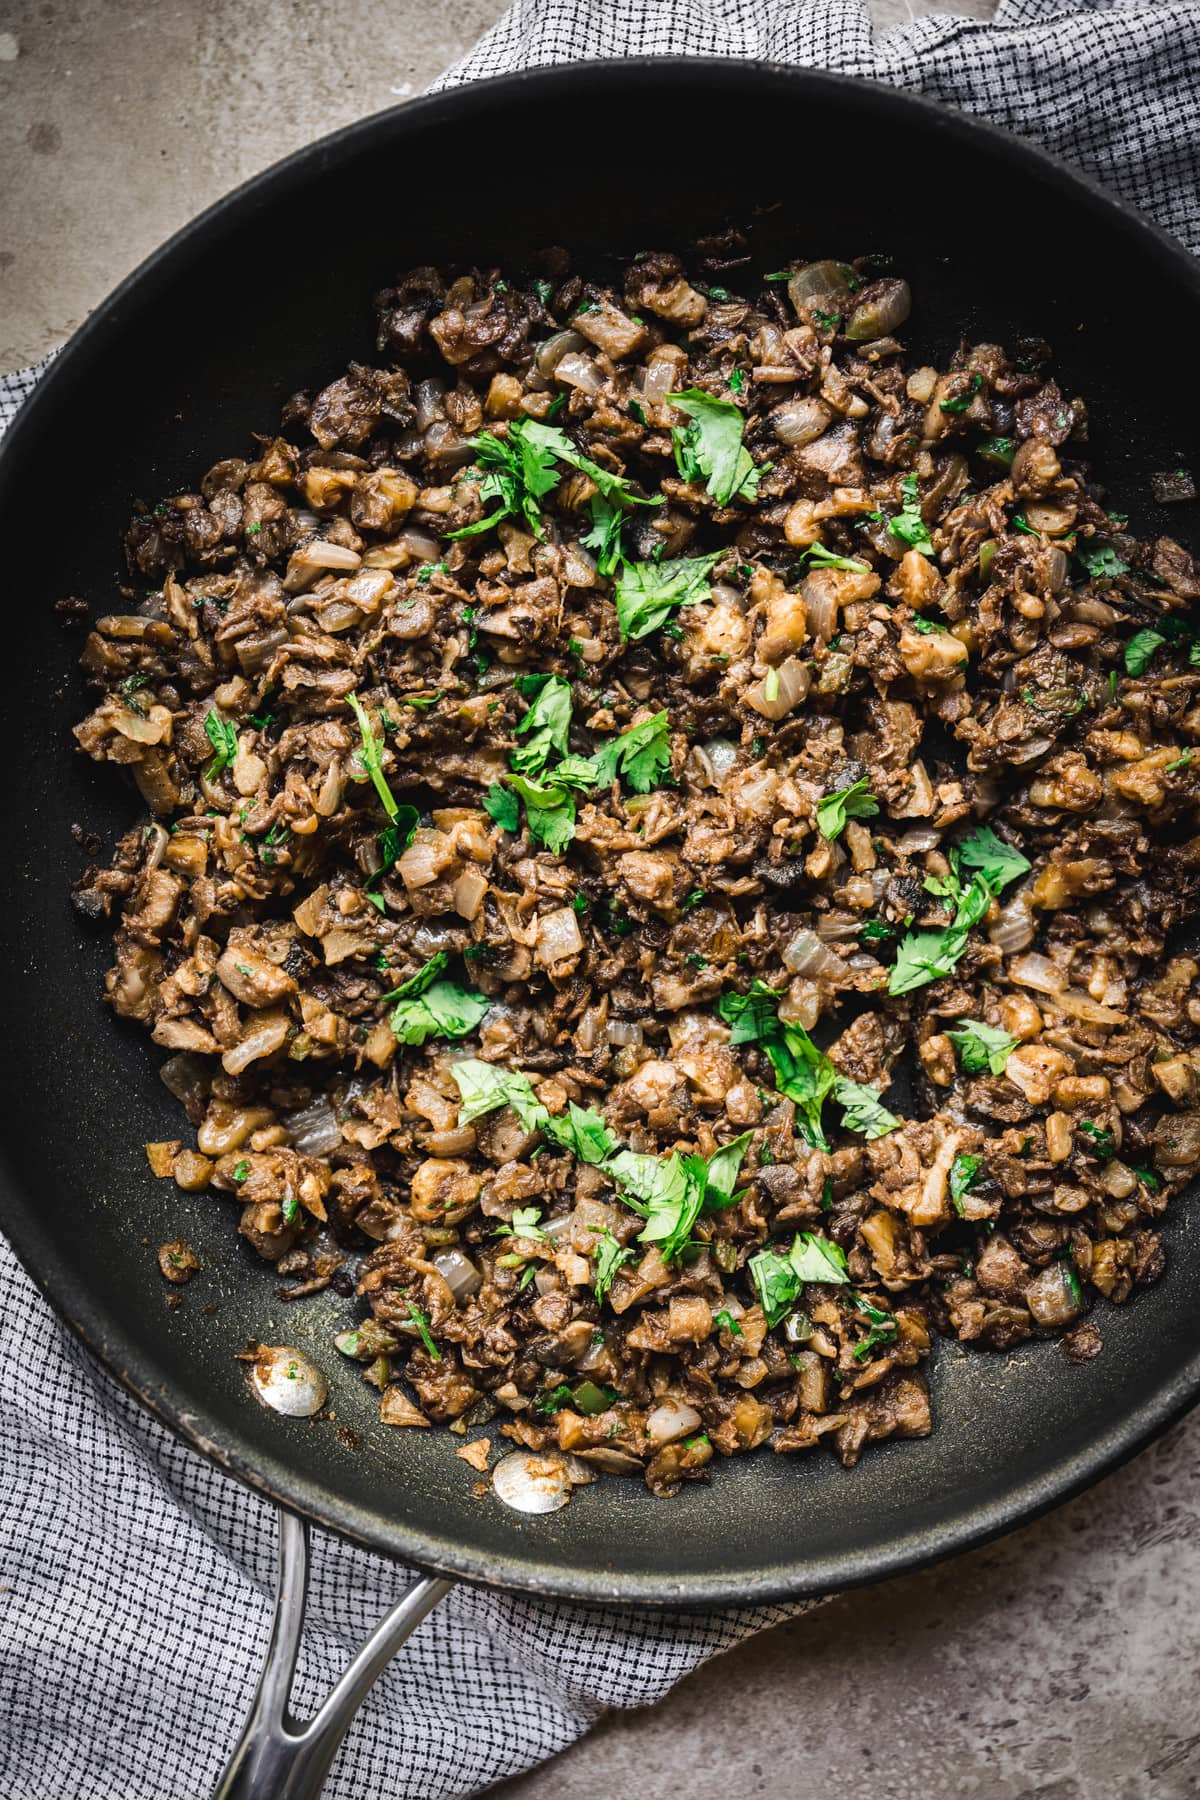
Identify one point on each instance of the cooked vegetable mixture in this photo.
(666, 824)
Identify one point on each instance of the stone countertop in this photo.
(1058, 1664)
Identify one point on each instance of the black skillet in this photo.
(268, 292)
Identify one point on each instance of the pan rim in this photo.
(104, 1337)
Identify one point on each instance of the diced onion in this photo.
(580, 372)
(805, 954)
(1014, 929)
(623, 1031)
(798, 422)
(722, 754)
(314, 1129)
(458, 1272)
(1039, 973)
(551, 353)
(670, 1421)
(780, 689)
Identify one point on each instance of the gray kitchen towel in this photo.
(134, 1580)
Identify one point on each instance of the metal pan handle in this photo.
(277, 1757)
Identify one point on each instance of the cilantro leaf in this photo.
(484, 1087)
(963, 401)
(924, 956)
(429, 1007)
(854, 802)
(646, 593)
(752, 1015)
(981, 1047)
(711, 445)
(523, 1224)
(724, 1167)
(779, 1274)
(1102, 560)
(610, 1256)
(1100, 1135)
(816, 1258)
(500, 803)
(549, 811)
(818, 557)
(222, 735)
(668, 1191)
(520, 470)
(727, 1322)
(421, 1321)
(642, 753)
(776, 1282)
(1140, 649)
(996, 861)
(584, 1132)
(604, 537)
(802, 1072)
(865, 1111)
(546, 724)
(370, 755)
(908, 525)
(997, 450)
(964, 1172)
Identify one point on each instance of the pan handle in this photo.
(277, 1757)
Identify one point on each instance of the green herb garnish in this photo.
(646, 593)
(427, 1006)
(1140, 649)
(610, 1256)
(854, 802)
(711, 445)
(370, 755)
(222, 735)
(964, 1172)
(908, 525)
(981, 1047)
(421, 1321)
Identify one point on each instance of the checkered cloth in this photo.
(135, 1581)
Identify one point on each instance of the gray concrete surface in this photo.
(1060, 1664)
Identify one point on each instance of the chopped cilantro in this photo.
(241, 1171)
(908, 524)
(854, 802)
(998, 450)
(1140, 649)
(222, 735)
(427, 1006)
(964, 1172)
(818, 557)
(924, 956)
(1101, 1137)
(803, 1073)
(610, 1256)
(647, 592)
(370, 756)
(727, 1322)
(421, 1321)
(1101, 560)
(711, 445)
(981, 1047)
(960, 405)
(500, 804)
(546, 725)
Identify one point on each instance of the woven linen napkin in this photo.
(135, 1581)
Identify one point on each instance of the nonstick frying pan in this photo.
(268, 292)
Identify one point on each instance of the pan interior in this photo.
(270, 293)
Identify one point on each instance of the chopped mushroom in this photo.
(553, 737)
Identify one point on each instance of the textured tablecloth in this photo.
(135, 1581)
